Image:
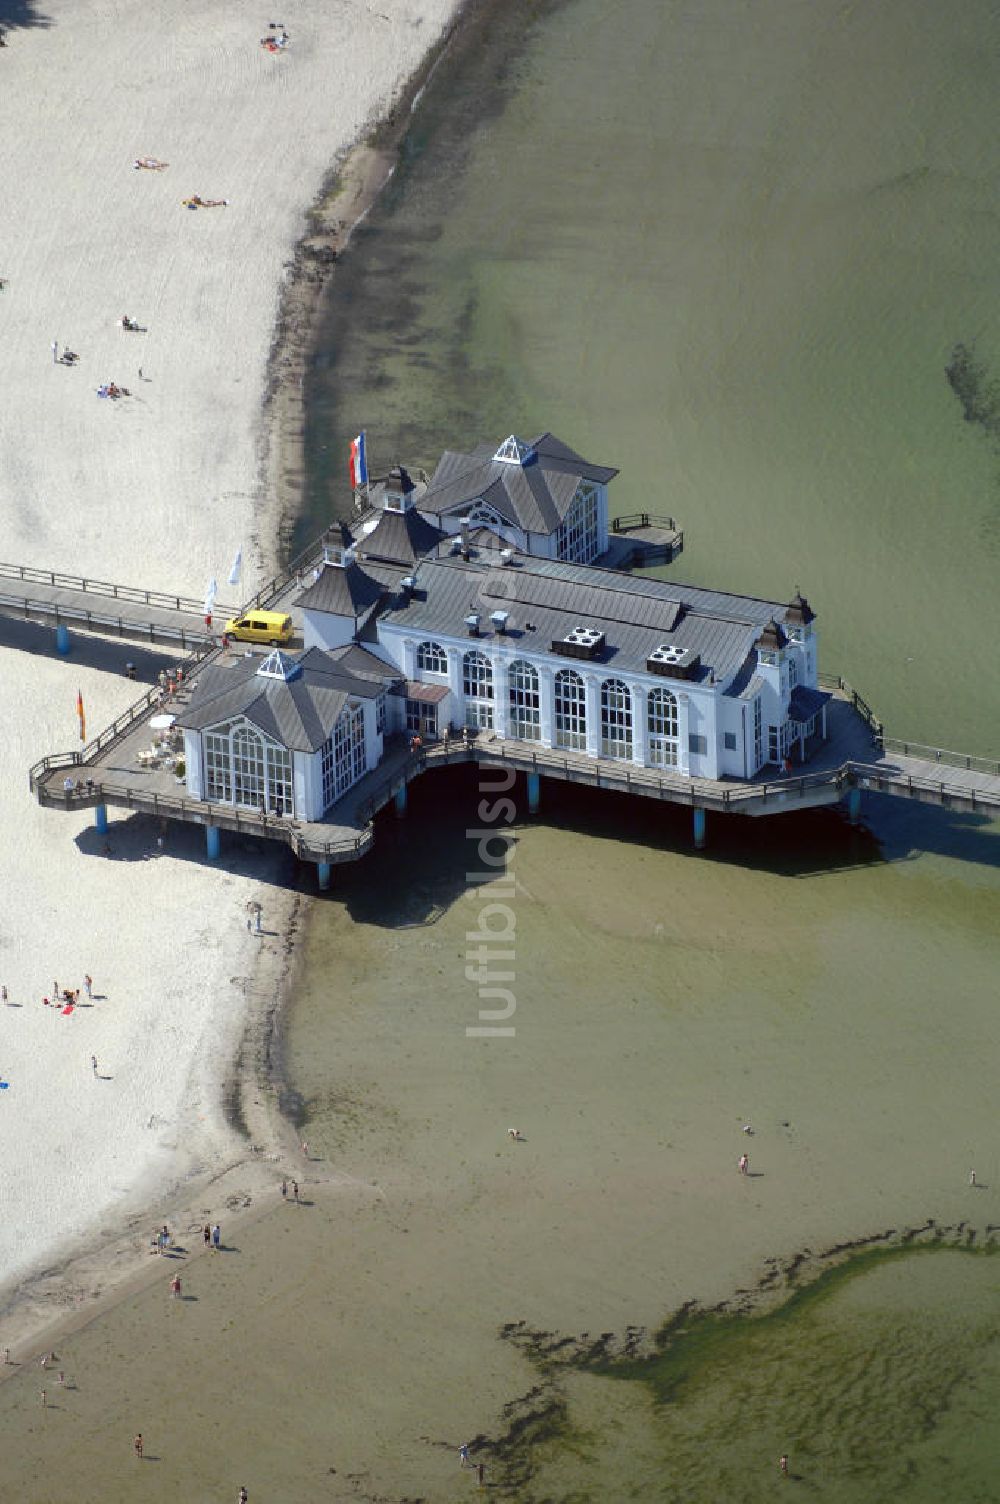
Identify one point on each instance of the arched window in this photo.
(661, 720)
(570, 710)
(477, 686)
(432, 658)
(343, 759)
(525, 702)
(576, 538)
(246, 768)
(616, 719)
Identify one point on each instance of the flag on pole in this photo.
(82, 717)
(234, 573)
(210, 594)
(359, 462)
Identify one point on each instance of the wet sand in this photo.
(362, 1331)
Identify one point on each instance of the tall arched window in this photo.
(343, 758)
(525, 721)
(477, 686)
(663, 728)
(576, 538)
(244, 767)
(570, 710)
(432, 658)
(616, 719)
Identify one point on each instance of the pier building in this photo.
(473, 617)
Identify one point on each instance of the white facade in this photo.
(692, 727)
(235, 763)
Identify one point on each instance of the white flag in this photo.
(210, 595)
(234, 573)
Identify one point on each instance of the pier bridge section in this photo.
(115, 770)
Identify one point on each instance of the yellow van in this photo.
(260, 626)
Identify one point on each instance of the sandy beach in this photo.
(159, 488)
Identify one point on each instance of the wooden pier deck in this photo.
(58, 599)
(641, 540)
(855, 756)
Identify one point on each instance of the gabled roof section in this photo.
(544, 599)
(529, 485)
(299, 712)
(342, 591)
(400, 538)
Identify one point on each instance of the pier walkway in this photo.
(58, 600)
(854, 757)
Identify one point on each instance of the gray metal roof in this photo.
(354, 659)
(534, 496)
(399, 537)
(299, 713)
(342, 591)
(546, 599)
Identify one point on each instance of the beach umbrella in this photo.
(162, 722)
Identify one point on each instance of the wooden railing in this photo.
(629, 520)
(60, 581)
(110, 626)
(836, 681)
(938, 754)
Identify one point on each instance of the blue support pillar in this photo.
(324, 872)
(400, 799)
(62, 638)
(699, 829)
(212, 842)
(534, 792)
(854, 806)
(101, 819)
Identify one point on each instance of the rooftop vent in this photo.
(499, 620)
(581, 642)
(456, 546)
(506, 556)
(472, 622)
(407, 584)
(673, 661)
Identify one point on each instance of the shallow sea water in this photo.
(730, 249)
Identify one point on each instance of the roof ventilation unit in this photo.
(582, 642)
(506, 556)
(673, 662)
(406, 584)
(499, 620)
(472, 622)
(456, 545)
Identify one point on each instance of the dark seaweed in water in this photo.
(979, 395)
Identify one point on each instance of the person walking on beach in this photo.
(463, 1455)
(216, 1237)
(175, 1286)
(3, 993)
(55, 352)
(783, 1464)
(481, 1474)
(242, 1496)
(295, 1190)
(137, 1446)
(93, 1064)
(744, 1164)
(972, 1177)
(88, 986)
(206, 1234)
(44, 1398)
(284, 1190)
